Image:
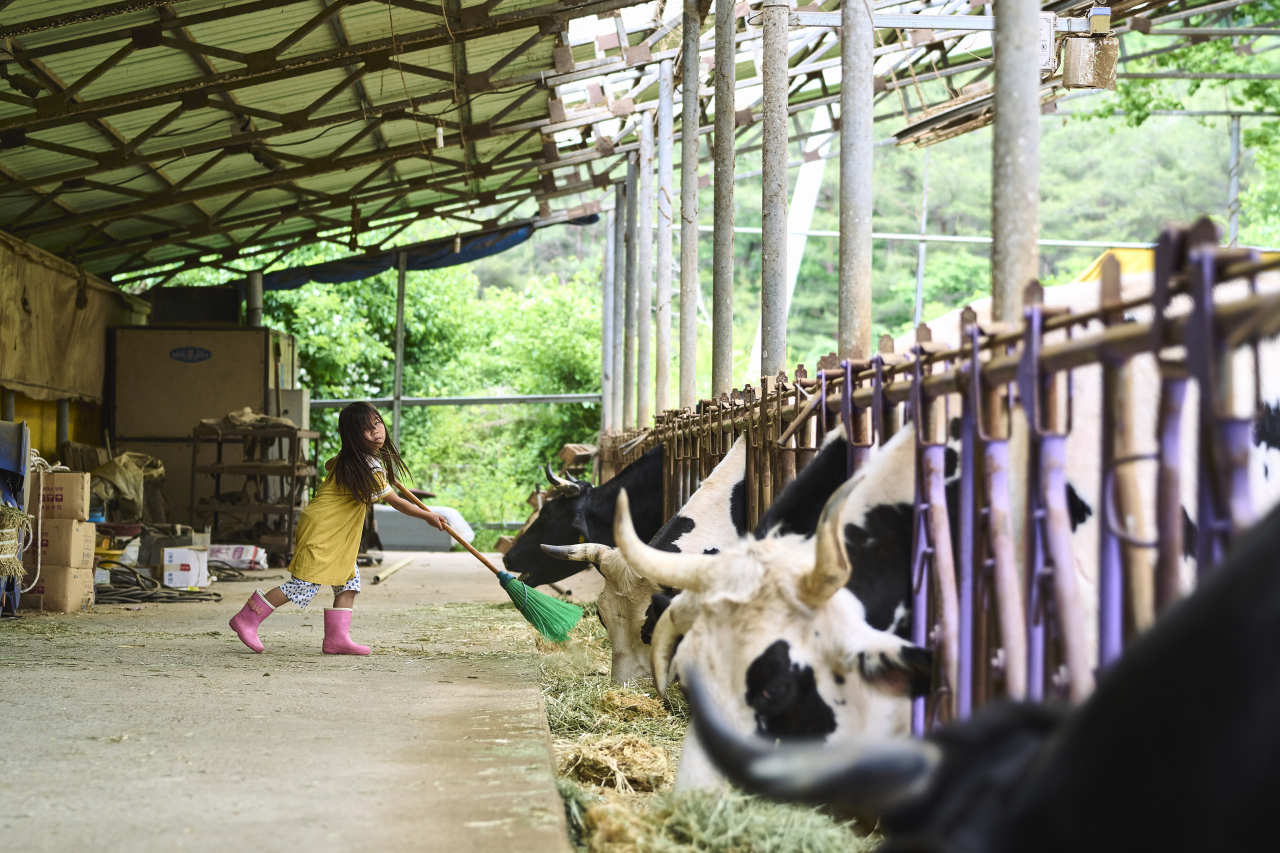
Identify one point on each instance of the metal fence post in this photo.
(689, 286)
(1233, 179)
(644, 279)
(629, 353)
(618, 237)
(402, 262)
(1015, 157)
(63, 424)
(606, 327)
(857, 62)
(722, 243)
(773, 238)
(666, 185)
(923, 247)
(253, 300)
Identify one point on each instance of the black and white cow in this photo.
(1177, 749)
(579, 513)
(784, 641)
(629, 605)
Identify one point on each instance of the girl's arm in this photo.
(435, 519)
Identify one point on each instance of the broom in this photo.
(553, 618)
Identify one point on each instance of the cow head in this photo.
(784, 648)
(562, 520)
(576, 513)
(623, 606)
(861, 777)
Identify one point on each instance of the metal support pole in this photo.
(1233, 191)
(722, 240)
(606, 328)
(8, 405)
(64, 424)
(773, 215)
(253, 300)
(666, 186)
(618, 237)
(689, 286)
(644, 279)
(629, 353)
(857, 90)
(402, 263)
(923, 246)
(1015, 157)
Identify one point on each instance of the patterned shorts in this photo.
(301, 592)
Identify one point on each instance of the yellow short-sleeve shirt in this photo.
(329, 530)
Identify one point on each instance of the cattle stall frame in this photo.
(993, 631)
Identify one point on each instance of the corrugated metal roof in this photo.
(204, 129)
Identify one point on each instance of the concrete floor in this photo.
(156, 729)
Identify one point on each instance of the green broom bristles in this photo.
(553, 618)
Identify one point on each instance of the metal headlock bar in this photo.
(1001, 625)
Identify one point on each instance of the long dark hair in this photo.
(351, 467)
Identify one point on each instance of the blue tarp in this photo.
(434, 255)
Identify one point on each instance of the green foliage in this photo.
(1139, 98)
(521, 334)
(1260, 203)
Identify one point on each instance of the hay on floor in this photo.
(625, 763)
(704, 822)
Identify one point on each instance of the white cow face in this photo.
(623, 607)
(780, 645)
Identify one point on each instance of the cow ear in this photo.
(904, 671)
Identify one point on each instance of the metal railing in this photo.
(1002, 623)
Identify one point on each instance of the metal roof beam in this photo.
(100, 13)
(59, 92)
(396, 191)
(266, 69)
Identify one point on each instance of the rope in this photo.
(40, 466)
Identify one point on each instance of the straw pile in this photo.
(625, 763)
(617, 747)
(14, 523)
(704, 822)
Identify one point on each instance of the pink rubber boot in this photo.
(246, 622)
(337, 636)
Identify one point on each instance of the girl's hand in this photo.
(435, 519)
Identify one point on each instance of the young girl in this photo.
(328, 537)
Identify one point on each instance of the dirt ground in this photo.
(156, 729)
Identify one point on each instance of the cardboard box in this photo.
(185, 567)
(63, 495)
(61, 589)
(239, 556)
(63, 542)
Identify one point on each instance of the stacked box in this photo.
(66, 550)
(63, 542)
(62, 495)
(59, 589)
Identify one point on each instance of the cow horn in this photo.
(665, 568)
(661, 649)
(862, 777)
(589, 552)
(556, 480)
(831, 563)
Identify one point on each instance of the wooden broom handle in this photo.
(404, 490)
